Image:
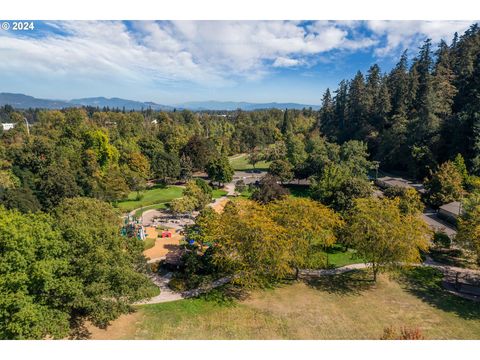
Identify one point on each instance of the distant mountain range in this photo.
(119, 103)
(231, 105)
(21, 101)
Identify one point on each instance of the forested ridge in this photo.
(420, 114)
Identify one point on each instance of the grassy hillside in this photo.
(240, 163)
(344, 307)
(155, 195)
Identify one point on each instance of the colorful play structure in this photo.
(133, 228)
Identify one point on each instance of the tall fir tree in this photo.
(398, 85)
(327, 123)
(356, 108)
(341, 96)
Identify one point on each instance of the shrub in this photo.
(240, 186)
(410, 334)
(441, 239)
(177, 284)
(269, 189)
(394, 191)
(148, 244)
(389, 333)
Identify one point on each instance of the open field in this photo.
(151, 196)
(348, 306)
(240, 163)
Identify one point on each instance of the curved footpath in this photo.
(166, 294)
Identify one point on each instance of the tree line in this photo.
(420, 114)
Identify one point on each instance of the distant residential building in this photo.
(390, 181)
(8, 126)
(450, 212)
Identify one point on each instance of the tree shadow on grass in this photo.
(426, 283)
(349, 283)
(79, 330)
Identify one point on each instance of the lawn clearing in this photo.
(160, 206)
(240, 163)
(347, 306)
(155, 195)
(218, 193)
(338, 257)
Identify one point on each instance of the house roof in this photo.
(392, 181)
(455, 207)
(400, 182)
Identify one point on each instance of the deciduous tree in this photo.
(383, 235)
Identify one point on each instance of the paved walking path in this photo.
(336, 271)
(167, 294)
(428, 262)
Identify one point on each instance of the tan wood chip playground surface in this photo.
(162, 245)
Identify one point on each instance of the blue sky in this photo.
(173, 62)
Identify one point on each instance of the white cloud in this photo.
(401, 35)
(209, 53)
(213, 53)
(285, 62)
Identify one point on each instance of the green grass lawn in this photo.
(347, 306)
(334, 257)
(218, 193)
(246, 193)
(155, 195)
(337, 257)
(159, 206)
(240, 163)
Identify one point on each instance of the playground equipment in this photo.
(133, 228)
(166, 234)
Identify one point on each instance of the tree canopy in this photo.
(383, 235)
(62, 269)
